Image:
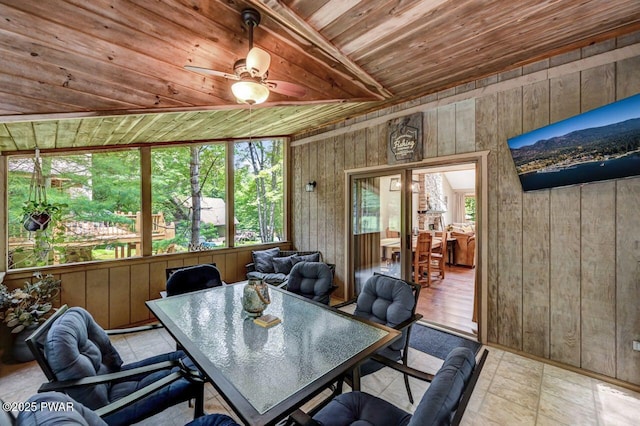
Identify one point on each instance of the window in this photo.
(188, 192)
(259, 191)
(470, 208)
(99, 199)
(100, 195)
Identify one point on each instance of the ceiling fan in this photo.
(253, 85)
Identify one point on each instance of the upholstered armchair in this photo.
(465, 249)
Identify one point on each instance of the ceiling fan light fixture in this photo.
(258, 61)
(249, 92)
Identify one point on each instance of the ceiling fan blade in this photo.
(258, 61)
(286, 88)
(207, 71)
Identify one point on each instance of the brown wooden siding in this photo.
(115, 292)
(563, 265)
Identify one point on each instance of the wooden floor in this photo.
(448, 302)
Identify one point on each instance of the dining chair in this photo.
(422, 262)
(439, 254)
(77, 357)
(313, 280)
(390, 301)
(55, 408)
(192, 278)
(443, 403)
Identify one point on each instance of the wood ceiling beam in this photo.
(288, 19)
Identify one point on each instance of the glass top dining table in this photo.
(266, 373)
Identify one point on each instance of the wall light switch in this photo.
(636, 345)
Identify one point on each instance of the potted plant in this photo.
(23, 309)
(37, 211)
(38, 214)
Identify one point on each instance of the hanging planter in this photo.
(37, 212)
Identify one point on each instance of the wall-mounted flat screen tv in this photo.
(601, 144)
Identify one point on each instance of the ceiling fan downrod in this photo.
(251, 18)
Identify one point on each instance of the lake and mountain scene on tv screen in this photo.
(601, 144)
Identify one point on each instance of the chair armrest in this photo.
(301, 418)
(117, 331)
(409, 322)
(345, 303)
(251, 267)
(421, 375)
(106, 378)
(137, 395)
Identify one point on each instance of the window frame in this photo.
(145, 155)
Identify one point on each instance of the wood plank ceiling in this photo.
(76, 73)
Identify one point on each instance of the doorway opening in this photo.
(391, 207)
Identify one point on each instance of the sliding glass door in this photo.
(377, 206)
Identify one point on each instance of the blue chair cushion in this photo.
(263, 259)
(57, 409)
(440, 401)
(313, 257)
(283, 265)
(273, 278)
(387, 301)
(77, 347)
(180, 390)
(213, 420)
(437, 406)
(361, 409)
(193, 278)
(313, 280)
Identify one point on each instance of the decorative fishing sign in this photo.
(404, 139)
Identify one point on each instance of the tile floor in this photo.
(512, 390)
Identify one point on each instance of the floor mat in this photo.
(438, 343)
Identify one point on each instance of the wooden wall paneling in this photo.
(140, 292)
(565, 239)
(119, 295)
(175, 263)
(447, 130)
(598, 278)
(191, 261)
(373, 141)
(535, 231)
(218, 259)
(598, 244)
(535, 273)
(382, 144)
(157, 279)
(627, 247)
(235, 271)
(509, 223)
(627, 81)
(303, 241)
(627, 279)
(336, 214)
(486, 139)
(73, 289)
(349, 150)
(597, 87)
(321, 194)
(360, 143)
(313, 196)
(430, 133)
(564, 284)
(465, 126)
(204, 258)
(98, 296)
(296, 193)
